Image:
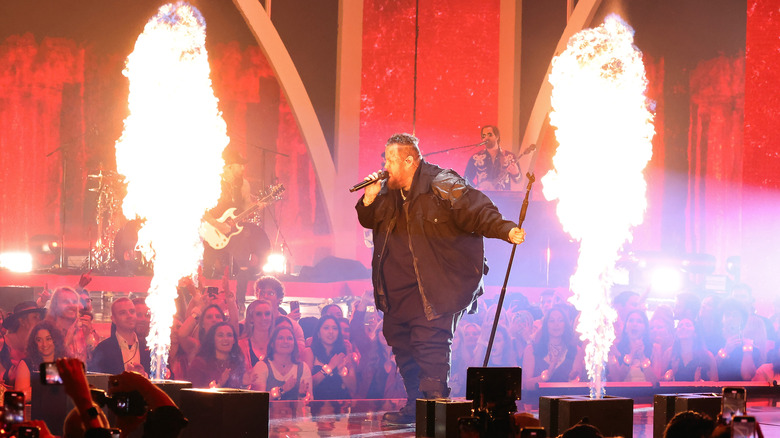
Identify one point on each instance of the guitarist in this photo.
(247, 250)
(492, 168)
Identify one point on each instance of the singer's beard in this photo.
(393, 183)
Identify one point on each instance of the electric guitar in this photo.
(216, 239)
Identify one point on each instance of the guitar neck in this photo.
(246, 213)
(261, 203)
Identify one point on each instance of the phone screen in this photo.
(295, 306)
(743, 427)
(128, 403)
(29, 432)
(122, 403)
(533, 432)
(732, 402)
(50, 375)
(13, 407)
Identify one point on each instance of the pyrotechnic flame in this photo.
(604, 129)
(170, 153)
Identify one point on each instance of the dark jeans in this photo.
(422, 349)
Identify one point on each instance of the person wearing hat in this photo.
(248, 249)
(19, 324)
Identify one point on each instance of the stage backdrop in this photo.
(715, 157)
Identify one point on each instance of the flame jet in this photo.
(170, 155)
(604, 128)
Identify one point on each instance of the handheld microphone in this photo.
(383, 174)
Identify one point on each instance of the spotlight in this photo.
(734, 267)
(622, 276)
(665, 279)
(276, 264)
(16, 261)
(45, 250)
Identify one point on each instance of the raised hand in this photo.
(85, 279)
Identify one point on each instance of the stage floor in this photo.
(351, 418)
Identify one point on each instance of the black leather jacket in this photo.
(447, 220)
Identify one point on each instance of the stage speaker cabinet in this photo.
(224, 413)
(98, 380)
(663, 411)
(331, 269)
(49, 403)
(494, 384)
(447, 414)
(173, 388)
(666, 406)
(425, 418)
(548, 414)
(708, 404)
(613, 416)
(10, 296)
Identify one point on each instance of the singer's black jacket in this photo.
(447, 220)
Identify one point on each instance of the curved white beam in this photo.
(580, 18)
(302, 109)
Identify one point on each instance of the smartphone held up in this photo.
(743, 426)
(733, 402)
(13, 407)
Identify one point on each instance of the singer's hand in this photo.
(517, 235)
(372, 190)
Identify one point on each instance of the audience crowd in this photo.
(714, 337)
(338, 356)
(343, 353)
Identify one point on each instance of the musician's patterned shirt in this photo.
(485, 173)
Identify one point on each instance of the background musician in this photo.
(248, 249)
(492, 168)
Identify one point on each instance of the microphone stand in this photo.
(271, 151)
(482, 143)
(531, 179)
(63, 182)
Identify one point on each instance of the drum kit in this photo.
(113, 250)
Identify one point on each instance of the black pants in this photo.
(246, 251)
(422, 348)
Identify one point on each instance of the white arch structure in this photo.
(580, 18)
(339, 208)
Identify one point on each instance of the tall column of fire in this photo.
(170, 155)
(604, 128)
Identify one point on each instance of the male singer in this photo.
(428, 262)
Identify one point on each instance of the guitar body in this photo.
(214, 237)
